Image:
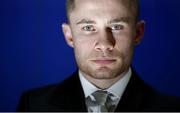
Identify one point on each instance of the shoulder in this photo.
(41, 98)
(149, 98)
(38, 92)
(154, 100)
(48, 89)
(162, 102)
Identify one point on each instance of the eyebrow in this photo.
(122, 19)
(86, 21)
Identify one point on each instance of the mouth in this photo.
(104, 61)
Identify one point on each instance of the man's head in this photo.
(103, 34)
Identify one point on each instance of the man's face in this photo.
(103, 34)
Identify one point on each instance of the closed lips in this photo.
(104, 61)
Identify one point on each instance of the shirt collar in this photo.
(117, 89)
(88, 87)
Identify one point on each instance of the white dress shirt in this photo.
(117, 89)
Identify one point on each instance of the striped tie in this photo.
(100, 101)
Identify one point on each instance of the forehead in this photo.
(100, 8)
(98, 2)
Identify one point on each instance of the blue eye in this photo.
(117, 27)
(88, 28)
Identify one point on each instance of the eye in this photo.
(117, 27)
(88, 28)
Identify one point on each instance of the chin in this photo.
(104, 73)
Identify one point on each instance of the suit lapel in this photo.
(133, 95)
(69, 95)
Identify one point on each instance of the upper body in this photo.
(103, 35)
(69, 96)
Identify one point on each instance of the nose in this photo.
(105, 41)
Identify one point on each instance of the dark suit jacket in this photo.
(68, 96)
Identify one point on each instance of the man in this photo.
(103, 34)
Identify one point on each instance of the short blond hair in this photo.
(133, 6)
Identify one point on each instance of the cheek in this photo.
(83, 47)
(83, 42)
(124, 42)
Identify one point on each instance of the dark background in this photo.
(33, 51)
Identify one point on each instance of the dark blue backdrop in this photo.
(34, 53)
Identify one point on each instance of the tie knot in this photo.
(100, 96)
(102, 101)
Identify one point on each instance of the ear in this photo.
(68, 34)
(140, 27)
